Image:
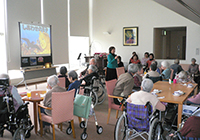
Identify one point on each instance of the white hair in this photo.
(93, 68)
(147, 85)
(52, 80)
(132, 68)
(165, 64)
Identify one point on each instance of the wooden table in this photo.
(35, 100)
(168, 90)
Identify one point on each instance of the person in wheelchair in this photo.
(143, 96)
(152, 72)
(191, 129)
(13, 112)
(17, 100)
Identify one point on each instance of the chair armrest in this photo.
(117, 97)
(39, 105)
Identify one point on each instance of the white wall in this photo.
(113, 15)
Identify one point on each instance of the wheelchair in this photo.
(95, 87)
(137, 120)
(18, 123)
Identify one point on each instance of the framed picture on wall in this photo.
(130, 36)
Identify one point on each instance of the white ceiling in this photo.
(180, 9)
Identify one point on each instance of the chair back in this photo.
(172, 74)
(62, 106)
(138, 116)
(61, 82)
(110, 85)
(155, 79)
(120, 70)
(185, 66)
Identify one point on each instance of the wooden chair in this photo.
(110, 85)
(62, 111)
(61, 82)
(120, 70)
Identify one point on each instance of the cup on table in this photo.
(29, 94)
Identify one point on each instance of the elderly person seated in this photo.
(85, 72)
(125, 82)
(75, 83)
(152, 72)
(63, 72)
(17, 100)
(183, 77)
(52, 85)
(138, 78)
(176, 67)
(166, 71)
(143, 96)
(193, 68)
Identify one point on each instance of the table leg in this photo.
(35, 116)
(180, 109)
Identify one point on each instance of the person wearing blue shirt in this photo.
(75, 83)
(112, 64)
(166, 71)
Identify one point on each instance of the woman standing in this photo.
(112, 64)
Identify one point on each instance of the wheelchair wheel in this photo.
(19, 134)
(84, 136)
(94, 98)
(100, 92)
(120, 129)
(69, 130)
(99, 129)
(82, 124)
(155, 132)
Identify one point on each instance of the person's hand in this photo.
(171, 135)
(116, 57)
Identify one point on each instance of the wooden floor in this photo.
(101, 114)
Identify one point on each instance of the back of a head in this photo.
(63, 70)
(176, 61)
(133, 68)
(165, 64)
(140, 67)
(183, 75)
(147, 85)
(93, 68)
(153, 67)
(73, 75)
(52, 80)
(4, 76)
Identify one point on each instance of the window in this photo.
(170, 43)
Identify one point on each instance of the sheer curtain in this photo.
(3, 58)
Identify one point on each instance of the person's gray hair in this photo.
(73, 75)
(176, 61)
(92, 67)
(193, 59)
(52, 80)
(4, 76)
(147, 85)
(183, 75)
(165, 64)
(133, 68)
(93, 59)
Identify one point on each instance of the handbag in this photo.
(82, 106)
